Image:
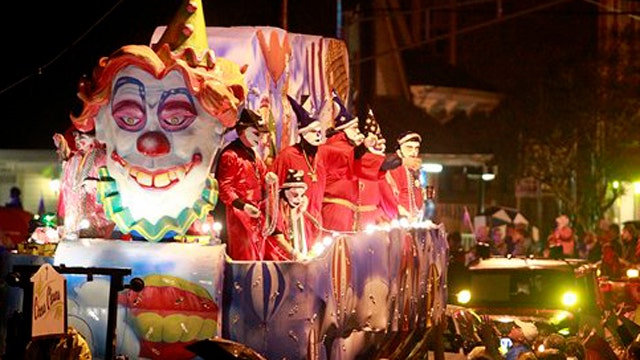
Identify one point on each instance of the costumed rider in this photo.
(405, 179)
(287, 241)
(246, 190)
(78, 206)
(303, 156)
(375, 197)
(346, 161)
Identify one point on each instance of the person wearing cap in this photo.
(287, 240)
(522, 334)
(303, 156)
(405, 179)
(242, 177)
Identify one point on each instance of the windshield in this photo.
(522, 287)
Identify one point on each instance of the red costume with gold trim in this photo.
(406, 187)
(340, 207)
(241, 176)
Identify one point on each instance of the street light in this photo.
(482, 175)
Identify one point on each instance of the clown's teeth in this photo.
(161, 180)
(143, 178)
(181, 172)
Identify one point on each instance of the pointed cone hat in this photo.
(186, 35)
(371, 125)
(304, 118)
(343, 118)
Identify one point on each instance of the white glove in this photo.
(251, 210)
(370, 140)
(271, 177)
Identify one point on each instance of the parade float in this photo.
(137, 204)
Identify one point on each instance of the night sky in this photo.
(47, 48)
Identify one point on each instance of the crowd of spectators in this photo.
(611, 249)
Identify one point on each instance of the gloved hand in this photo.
(251, 210)
(370, 140)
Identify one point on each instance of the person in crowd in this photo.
(555, 341)
(242, 177)
(550, 354)
(480, 353)
(629, 239)
(611, 236)
(611, 265)
(596, 347)
(562, 237)
(482, 234)
(633, 350)
(303, 155)
(522, 334)
(490, 338)
(405, 180)
(574, 349)
(527, 355)
(15, 198)
(483, 244)
(498, 245)
(518, 245)
(592, 249)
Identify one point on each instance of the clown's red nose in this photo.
(153, 143)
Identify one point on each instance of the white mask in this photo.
(353, 133)
(313, 134)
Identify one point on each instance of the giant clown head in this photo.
(161, 114)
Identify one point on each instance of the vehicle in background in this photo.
(559, 294)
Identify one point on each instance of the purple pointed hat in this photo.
(344, 118)
(304, 118)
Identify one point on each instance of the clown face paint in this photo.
(160, 143)
(313, 134)
(295, 196)
(410, 149)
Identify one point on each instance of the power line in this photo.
(468, 29)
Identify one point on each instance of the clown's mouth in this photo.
(157, 179)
